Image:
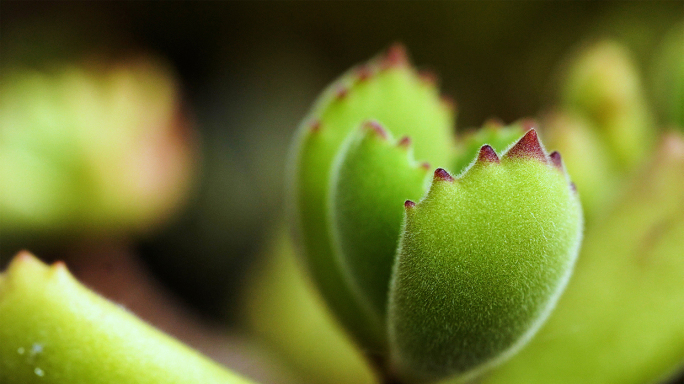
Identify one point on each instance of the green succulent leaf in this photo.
(387, 90)
(621, 319)
(56, 331)
(482, 261)
(86, 151)
(373, 176)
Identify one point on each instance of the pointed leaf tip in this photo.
(342, 93)
(404, 142)
(59, 266)
(315, 126)
(527, 147)
(408, 204)
(487, 155)
(442, 175)
(24, 255)
(396, 56)
(556, 160)
(363, 73)
(374, 126)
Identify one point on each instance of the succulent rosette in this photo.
(437, 277)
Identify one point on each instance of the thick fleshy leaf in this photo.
(55, 331)
(621, 319)
(373, 177)
(482, 261)
(387, 90)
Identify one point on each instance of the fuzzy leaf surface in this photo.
(389, 91)
(56, 331)
(482, 261)
(373, 177)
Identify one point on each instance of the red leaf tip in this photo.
(442, 175)
(556, 160)
(527, 147)
(24, 255)
(374, 126)
(395, 56)
(363, 73)
(408, 204)
(487, 155)
(404, 142)
(342, 93)
(315, 126)
(59, 265)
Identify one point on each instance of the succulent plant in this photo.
(441, 278)
(602, 123)
(445, 257)
(54, 330)
(87, 150)
(621, 319)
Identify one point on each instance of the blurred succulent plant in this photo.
(91, 150)
(54, 330)
(451, 285)
(602, 123)
(621, 319)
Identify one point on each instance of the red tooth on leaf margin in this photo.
(487, 155)
(363, 73)
(408, 204)
(342, 92)
(404, 142)
(556, 160)
(315, 126)
(374, 126)
(396, 56)
(527, 147)
(442, 175)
